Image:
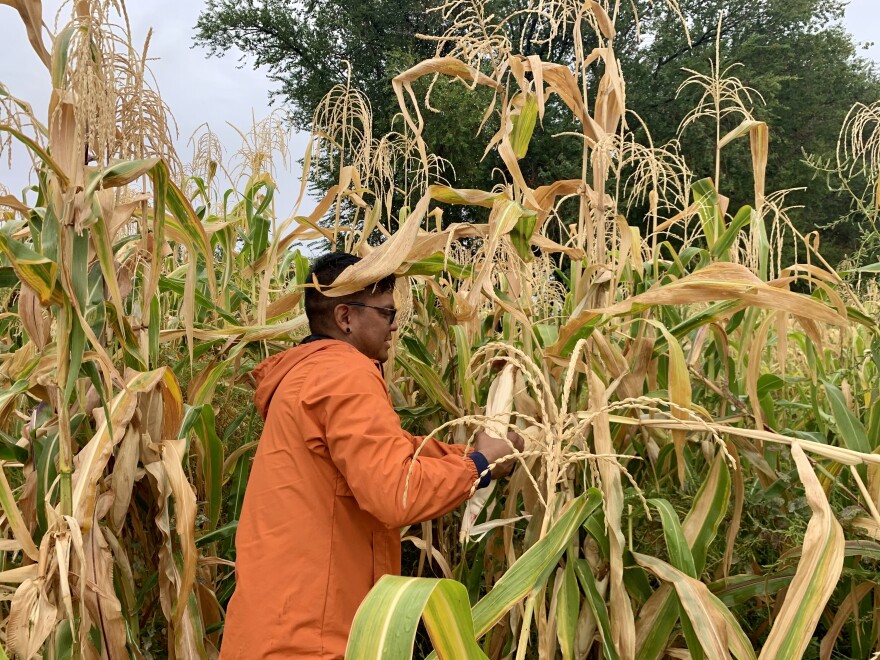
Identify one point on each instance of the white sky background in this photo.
(200, 89)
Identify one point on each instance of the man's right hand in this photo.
(494, 449)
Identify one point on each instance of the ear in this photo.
(342, 317)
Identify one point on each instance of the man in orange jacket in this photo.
(325, 501)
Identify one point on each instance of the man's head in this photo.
(363, 319)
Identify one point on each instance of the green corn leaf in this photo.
(221, 534)
(737, 589)
(10, 451)
(531, 570)
(567, 610)
(849, 427)
(658, 616)
(524, 126)
(597, 605)
(119, 174)
(709, 210)
(429, 381)
(201, 420)
(521, 235)
(722, 247)
(463, 360)
(436, 264)
(676, 545)
(385, 624)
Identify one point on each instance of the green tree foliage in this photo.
(794, 53)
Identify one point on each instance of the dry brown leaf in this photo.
(620, 610)
(33, 316)
(385, 259)
(31, 619)
(283, 304)
(716, 282)
(99, 595)
(124, 476)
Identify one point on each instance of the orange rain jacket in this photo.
(324, 503)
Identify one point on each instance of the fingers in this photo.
(516, 440)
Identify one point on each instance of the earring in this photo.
(348, 330)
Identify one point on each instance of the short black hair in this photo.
(325, 269)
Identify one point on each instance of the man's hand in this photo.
(494, 449)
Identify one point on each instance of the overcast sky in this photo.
(200, 89)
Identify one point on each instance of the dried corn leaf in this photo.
(817, 571)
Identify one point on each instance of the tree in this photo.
(793, 52)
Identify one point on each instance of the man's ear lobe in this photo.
(340, 316)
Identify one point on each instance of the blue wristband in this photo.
(482, 466)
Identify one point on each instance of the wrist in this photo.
(481, 463)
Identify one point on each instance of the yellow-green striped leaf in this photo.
(385, 624)
(531, 570)
(713, 625)
(817, 572)
(37, 271)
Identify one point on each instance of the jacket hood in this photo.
(271, 371)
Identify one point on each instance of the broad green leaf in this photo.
(45, 459)
(849, 427)
(597, 605)
(177, 286)
(468, 197)
(521, 235)
(8, 278)
(871, 268)
(429, 381)
(385, 624)
(201, 420)
(658, 616)
(722, 247)
(681, 558)
(118, 174)
(567, 609)
(709, 210)
(220, 534)
(707, 512)
(737, 589)
(531, 570)
(524, 125)
(10, 451)
(436, 264)
(462, 361)
(676, 545)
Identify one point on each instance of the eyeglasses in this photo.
(390, 311)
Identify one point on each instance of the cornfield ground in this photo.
(701, 476)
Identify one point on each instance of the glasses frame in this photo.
(392, 311)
